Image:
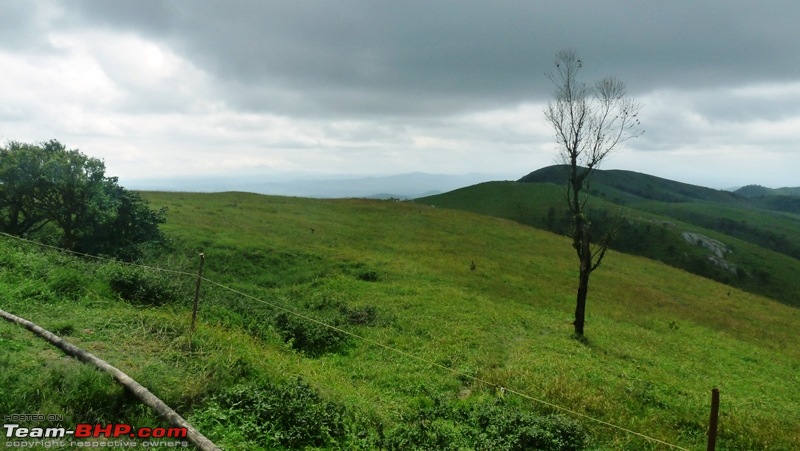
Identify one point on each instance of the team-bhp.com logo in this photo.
(85, 430)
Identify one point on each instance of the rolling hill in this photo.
(631, 186)
(762, 191)
(628, 186)
(753, 244)
(460, 330)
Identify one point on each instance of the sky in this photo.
(170, 89)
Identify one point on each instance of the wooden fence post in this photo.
(197, 291)
(712, 424)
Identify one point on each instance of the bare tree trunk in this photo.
(137, 389)
(583, 283)
(580, 305)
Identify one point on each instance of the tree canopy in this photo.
(63, 197)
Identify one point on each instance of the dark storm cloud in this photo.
(423, 57)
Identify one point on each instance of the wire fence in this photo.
(405, 354)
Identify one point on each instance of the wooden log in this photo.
(137, 389)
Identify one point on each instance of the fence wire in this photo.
(405, 354)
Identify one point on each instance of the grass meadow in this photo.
(451, 313)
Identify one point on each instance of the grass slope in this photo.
(628, 186)
(659, 338)
(637, 185)
(764, 245)
(761, 191)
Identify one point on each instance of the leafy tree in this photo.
(589, 122)
(21, 177)
(61, 195)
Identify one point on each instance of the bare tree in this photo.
(589, 123)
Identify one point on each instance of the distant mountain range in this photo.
(420, 184)
(403, 186)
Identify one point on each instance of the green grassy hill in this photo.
(652, 217)
(761, 191)
(634, 185)
(627, 186)
(481, 302)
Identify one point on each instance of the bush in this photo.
(367, 315)
(142, 287)
(271, 416)
(307, 336)
(485, 425)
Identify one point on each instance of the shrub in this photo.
(367, 315)
(269, 416)
(307, 336)
(142, 287)
(488, 424)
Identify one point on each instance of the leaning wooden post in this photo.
(197, 291)
(712, 424)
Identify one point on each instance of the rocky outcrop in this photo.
(717, 248)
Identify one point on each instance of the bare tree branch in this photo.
(589, 123)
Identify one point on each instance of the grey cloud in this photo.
(360, 59)
(414, 79)
(428, 58)
(731, 107)
(24, 26)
